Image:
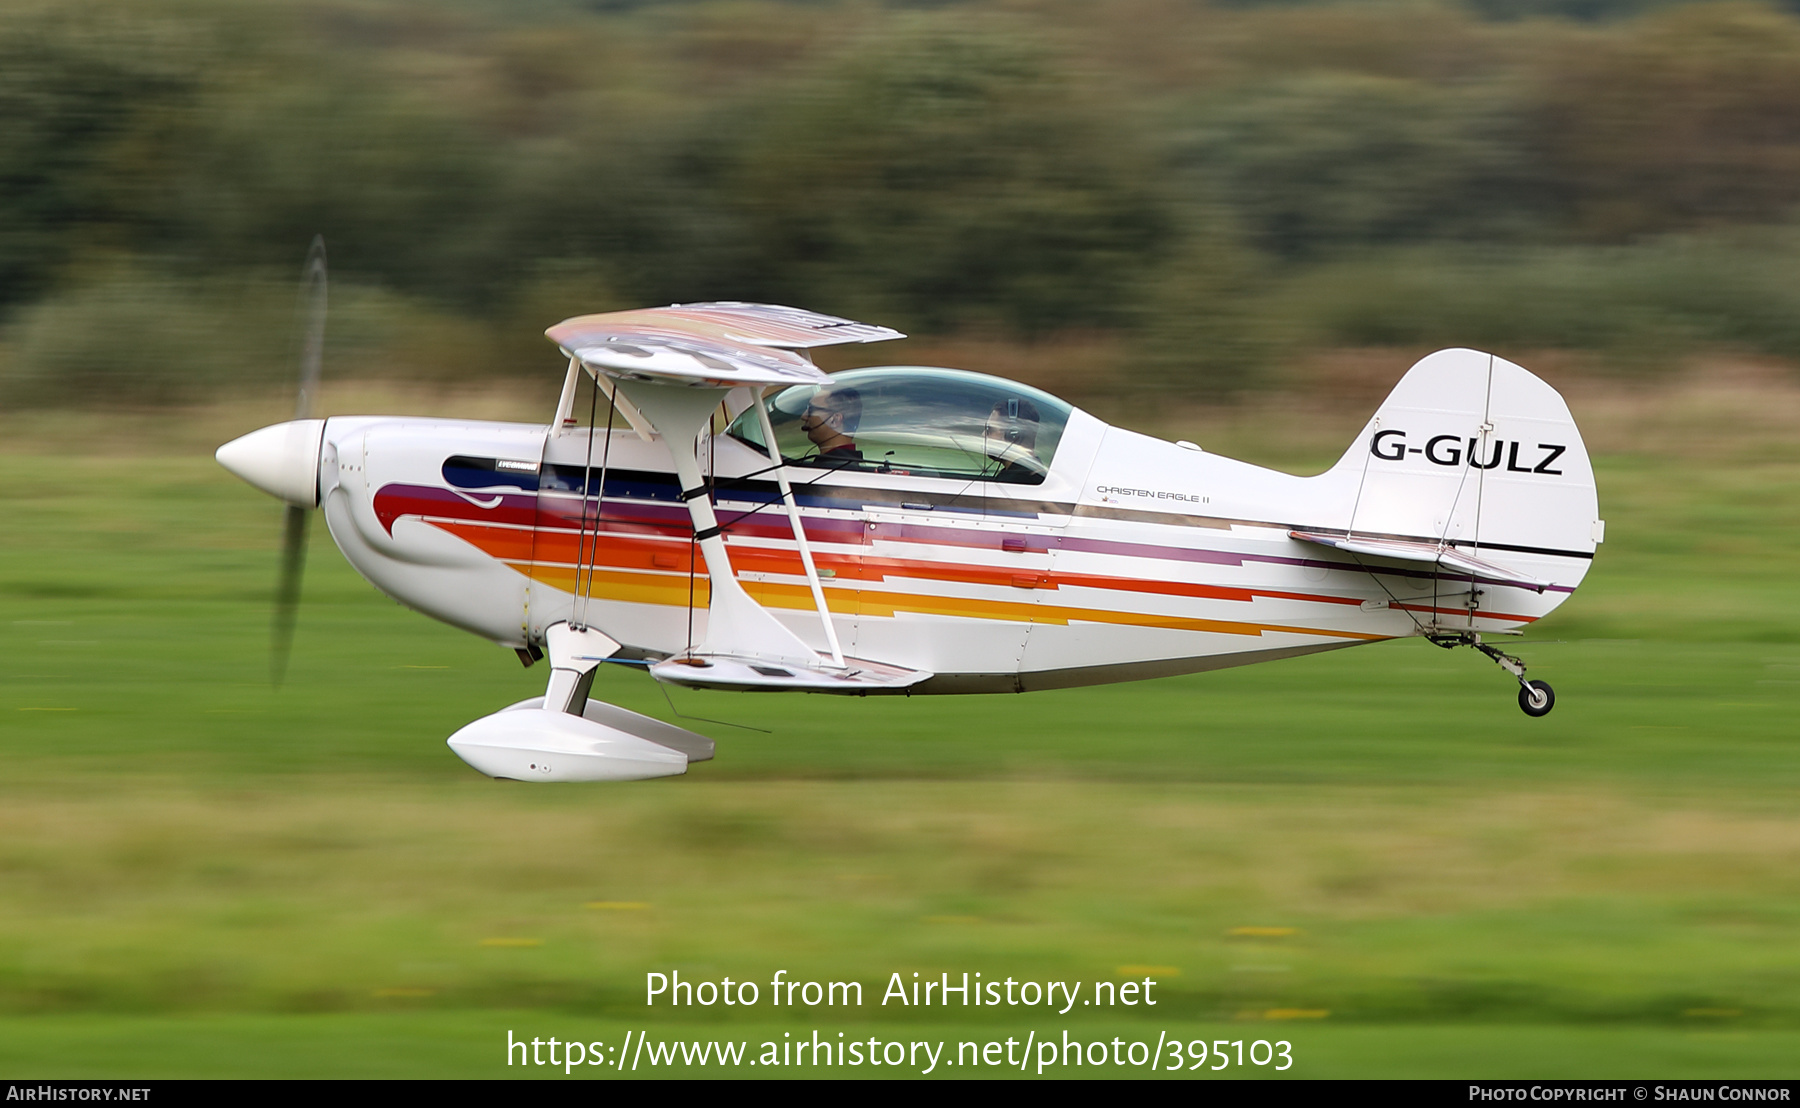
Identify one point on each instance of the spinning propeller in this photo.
(298, 518)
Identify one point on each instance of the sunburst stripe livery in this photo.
(640, 517)
(542, 538)
(478, 476)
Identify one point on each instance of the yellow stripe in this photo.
(672, 590)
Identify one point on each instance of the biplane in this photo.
(729, 516)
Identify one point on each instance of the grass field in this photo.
(200, 875)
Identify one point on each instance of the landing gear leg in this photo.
(1536, 698)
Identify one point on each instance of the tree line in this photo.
(1209, 186)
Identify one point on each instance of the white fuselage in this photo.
(1133, 558)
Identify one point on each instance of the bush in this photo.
(129, 340)
(945, 174)
(1645, 304)
(134, 336)
(1321, 163)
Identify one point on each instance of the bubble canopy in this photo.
(915, 420)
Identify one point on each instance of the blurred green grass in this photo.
(202, 875)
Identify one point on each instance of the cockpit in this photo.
(915, 420)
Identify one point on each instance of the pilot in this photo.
(831, 417)
(1010, 440)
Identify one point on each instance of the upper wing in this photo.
(718, 344)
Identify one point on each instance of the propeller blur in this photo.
(916, 530)
(294, 473)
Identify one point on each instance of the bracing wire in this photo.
(599, 497)
(581, 542)
(710, 483)
(741, 516)
(693, 544)
(703, 719)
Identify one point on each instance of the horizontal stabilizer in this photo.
(722, 671)
(1447, 557)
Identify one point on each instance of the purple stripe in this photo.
(620, 513)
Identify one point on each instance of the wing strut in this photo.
(667, 370)
(565, 404)
(793, 514)
(625, 407)
(735, 623)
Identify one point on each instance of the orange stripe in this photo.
(672, 590)
(621, 552)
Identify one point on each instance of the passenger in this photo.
(831, 417)
(1010, 440)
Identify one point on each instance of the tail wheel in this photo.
(1536, 698)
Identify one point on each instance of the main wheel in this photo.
(1536, 698)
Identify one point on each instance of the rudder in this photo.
(1473, 451)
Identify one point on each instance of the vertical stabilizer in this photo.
(1473, 451)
